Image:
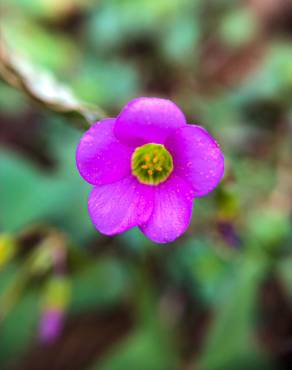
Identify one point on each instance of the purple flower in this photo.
(147, 165)
(51, 324)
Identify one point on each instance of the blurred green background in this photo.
(220, 297)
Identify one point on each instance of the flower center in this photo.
(151, 164)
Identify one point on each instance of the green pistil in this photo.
(151, 164)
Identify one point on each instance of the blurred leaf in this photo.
(102, 282)
(24, 192)
(202, 267)
(53, 51)
(29, 195)
(110, 82)
(273, 80)
(19, 328)
(238, 27)
(11, 98)
(6, 276)
(152, 344)
(116, 21)
(181, 39)
(268, 228)
(229, 343)
(45, 8)
(146, 349)
(255, 179)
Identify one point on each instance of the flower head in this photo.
(51, 325)
(147, 166)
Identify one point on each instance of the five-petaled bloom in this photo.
(147, 166)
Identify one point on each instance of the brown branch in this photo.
(42, 87)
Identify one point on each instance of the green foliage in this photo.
(19, 328)
(203, 267)
(146, 349)
(238, 27)
(17, 325)
(25, 188)
(230, 339)
(212, 59)
(101, 283)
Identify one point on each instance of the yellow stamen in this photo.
(151, 164)
(147, 157)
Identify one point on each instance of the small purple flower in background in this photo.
(55, 302)
(51, 325)
(147, 166)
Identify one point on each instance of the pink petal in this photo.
(145, 120)
(197, 158)
(173, 201)
(100, 157)
(116, 207)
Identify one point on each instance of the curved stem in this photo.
(42, 87)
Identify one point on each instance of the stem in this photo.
(42, 87)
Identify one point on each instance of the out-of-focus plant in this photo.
(220, 298)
